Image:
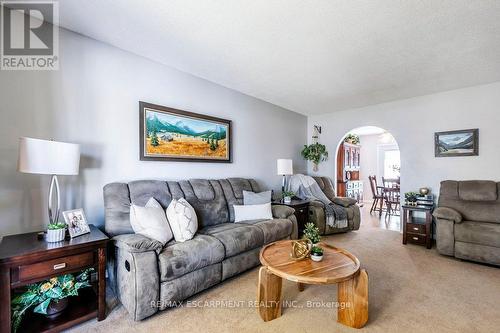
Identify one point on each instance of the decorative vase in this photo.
(424, 191)
(315, 167)
(55, 235)
(287, 199)
(316, 257)
(56, 307)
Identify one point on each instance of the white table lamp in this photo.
(49, 158)
(285, 168)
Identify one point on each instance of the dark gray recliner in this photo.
(468, 220)
(317, 209)
(148, 277)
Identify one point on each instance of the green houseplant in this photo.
(316, 253)
(56, 232)
(352, 138)
(287, 196)
(48, 297)
(311, 232)
(315, 153)
(411, 197)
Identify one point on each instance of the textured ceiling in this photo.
(307, 56)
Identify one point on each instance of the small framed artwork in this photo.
(457, 143)
(168, 134)
(76, 221)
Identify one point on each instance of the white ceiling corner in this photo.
(311, 57)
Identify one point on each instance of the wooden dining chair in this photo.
(391, 182)
(377, 194)
(392, 200)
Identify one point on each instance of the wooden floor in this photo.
(373, 219)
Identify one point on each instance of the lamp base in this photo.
(54, 213)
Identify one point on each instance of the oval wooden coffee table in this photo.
(338, 266)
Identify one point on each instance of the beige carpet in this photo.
(411, 290)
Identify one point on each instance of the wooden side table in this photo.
(417, 230)
(301, 212)
(25, 259)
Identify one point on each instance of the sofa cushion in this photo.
(254, 198)
(207, 199)
(151, 221)
(182, 219)
(178, 259)
(236, 237)
(233, 191)
(483, 233)
(252, 212)
(273, 230)
(477, 190)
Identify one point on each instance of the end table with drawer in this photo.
(26, 259)
(301, 211)
(417, 230)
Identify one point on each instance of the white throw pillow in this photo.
(252, 212)
(150, 221)
(183, 220)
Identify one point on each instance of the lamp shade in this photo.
(48, 157)
(285, 167)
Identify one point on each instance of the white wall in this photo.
(413, 122)
(368, 161)
(93, 100)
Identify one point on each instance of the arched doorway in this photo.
(368, 169)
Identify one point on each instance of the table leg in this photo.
(405, 220)
(428, 229)
(381, 206)
(101, 301)
(269, 295)
(353, 301)
(5, 299)
(301, 286)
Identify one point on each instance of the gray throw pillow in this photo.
(252, 198)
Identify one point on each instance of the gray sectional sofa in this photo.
(468, 220)
(148, 277)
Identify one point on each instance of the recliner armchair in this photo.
(317, 209)
(468, 220)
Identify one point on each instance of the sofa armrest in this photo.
(285, 212)
(135, 243)
(282, 212)
(137, 275)
(316, 203)
(344, 201)
(447, 213)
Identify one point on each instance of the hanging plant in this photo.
(315, 153)
(352, 138)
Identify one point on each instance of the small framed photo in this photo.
(76, 221)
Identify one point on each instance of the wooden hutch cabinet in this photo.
(348, 178)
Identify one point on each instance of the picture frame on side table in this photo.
(76, 221)
(457, 143)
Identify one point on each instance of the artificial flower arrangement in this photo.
(43, 294)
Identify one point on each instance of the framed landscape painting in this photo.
(174, 135)
(457, 143)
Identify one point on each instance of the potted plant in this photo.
(287, 196)
(48, 297)
(352, 138)
(311, 232)
(316, 253)
(315, 153)
(56, 232)
(411, 198)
